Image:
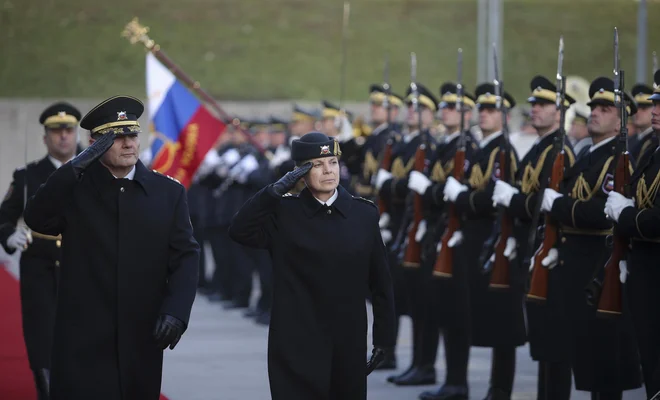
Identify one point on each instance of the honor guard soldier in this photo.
(393, 189)
(338, 235)
(446, 300)
(280, 146)
(278, 133)
(129, 259)
(364, 159)
(645, 140)
(335, 123)
(637, 218)
(604, 360)
(544, 321)
(578, 133)
(303, 120)
(40, 261)
(497, 319)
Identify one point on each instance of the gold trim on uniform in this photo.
(423, 100)
(379, 98)
(606, 95)
(116, 124)
(453, 98)
(643, 98)
(549, 95)
(479, 179)
(299, 117)
(61, 118)
(582, 191)
(370, 165)
(589, 232)
(645, 195)
(490, 98)
(46, 237)
(330, 113)
(399, 170)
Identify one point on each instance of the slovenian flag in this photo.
(181, 129)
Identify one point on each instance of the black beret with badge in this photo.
(117, 115)
(486, 97)
(426, 98)
(601, 92)
(377, 94)
(314, 145)
(656, 87)
(60, 115)
(642, 93)
(449, 95)
(545, 92)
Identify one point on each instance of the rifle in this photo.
(412, 257)
(539, 281)
(655, 65)
(503, 228)
(444, 263)
(342, 83)
(386, 155)
(610, 303)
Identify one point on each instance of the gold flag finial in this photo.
(135, 32)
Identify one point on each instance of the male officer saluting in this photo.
(130, 263)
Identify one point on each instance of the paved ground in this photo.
(223, 357)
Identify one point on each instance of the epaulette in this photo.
(290, 195)
(365, 201)
(166, 176)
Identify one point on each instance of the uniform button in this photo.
(121, 189)
(57, 263)
(58, 243)
(329, 211)
(561, 262)
(563, 240)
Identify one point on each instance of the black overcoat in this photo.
(325, 261)
(128, 255)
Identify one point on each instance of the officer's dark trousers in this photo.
(242, 267)
(199, 233)
(221, 244)
(414, 286)
(503, 369)
(554, 381)
(260, 259)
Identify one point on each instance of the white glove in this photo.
(230, 157)
(615, 204)
(623, 271)
(386, 235)
(452, 189)
(549, 197)
(455, 240)
(503, 193)
(421, 231)
(282, 154)
(384, 220)
(418, 182)
(381, 177)
(345, 128)
(209, 163)
(509, 251)
(20, 239)
(550, 261)
(244, 168)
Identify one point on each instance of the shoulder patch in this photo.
(362, 199)
(166, 176)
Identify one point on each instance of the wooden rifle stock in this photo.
(499, 278)
(412, 257)
(610, 302)
(386, 165)
(444, 262)
(538, 289)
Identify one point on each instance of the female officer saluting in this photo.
(327, 253)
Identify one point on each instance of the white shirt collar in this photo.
(642, 135)
(380, 128)
(331, 199)
(130, 175)
(407, 138)
(601, 144)
(489, 139)
(453, 136)
(55, 162)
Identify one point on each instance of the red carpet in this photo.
(15, 376)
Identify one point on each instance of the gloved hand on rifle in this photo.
(168, 331)
(288, 181)
(384, 220)
(421, 231)
(510, 251)
(453, 188)
(386, 235)
(615, 204)
(418, 182)
(623, 271)
(550, 261)
(377, 357)
(549, 197)
(503, 193)
(381, 177)
(455, 240)
(92, 153)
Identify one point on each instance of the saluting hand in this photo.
(288, 181)
(92, 153)
(168, 331)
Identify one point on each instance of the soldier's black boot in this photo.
(457, 354)
(502, 371)
(42, 383)
(447, 392)
(554, 381)
(606, 395)
(422, 375)
(389, 363)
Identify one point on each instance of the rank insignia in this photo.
(121, 116)
(325, 150)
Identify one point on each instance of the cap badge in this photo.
(601, 90)
(61, 114)
(325, 150)
(121, 116)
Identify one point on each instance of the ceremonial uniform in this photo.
(644, 140)
(604, 358)
(129, 259)
(640, 223)
(40, 262)
(316, 342)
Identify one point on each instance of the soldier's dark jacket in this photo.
(542, 319)
(497, 318)
(128, 256)
(641, 223)
(38, 265)
(604, 351)
(325, 260)
(645, 143)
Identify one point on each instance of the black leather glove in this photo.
(168, 331)
(377, 357)
(288, 181)
(92, 153)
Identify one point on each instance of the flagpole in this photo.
(135, 32)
